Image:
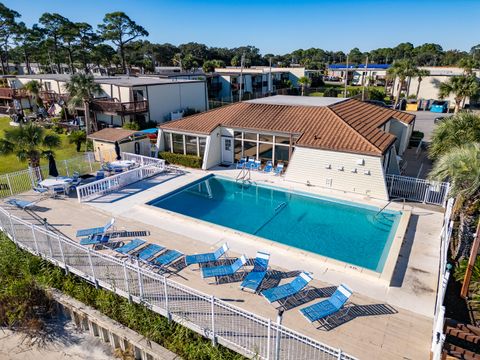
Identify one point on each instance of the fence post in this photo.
(391, 185)
(339, 356)
(30, 174)
(61, 253)
(66, 167)
(9, 184)
(214, 338)
(279, 334)
(45, 223)
(13, 229)
(92, 268)
(127, 286)
(140, 282)
(89, 155)
(169, 316)
(35, 238)
(269, 335)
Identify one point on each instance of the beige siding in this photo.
(107, 150)
(311, 165)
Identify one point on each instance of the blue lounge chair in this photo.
(250, 163)
(322, 310)
(224, 270)
(95, 239)
(255, 277)
(40, 190)
(241, 163)
(97, 230)
(256, 165)
(150, 251)
(268, 167)
(167, 259)
(284, 291)
(279, 169)
(132, 245)
(100, 175)
(207, 257)
(21, 204)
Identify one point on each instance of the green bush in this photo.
(180, 159)
(131, 126)
(331, 92)
(58, 129)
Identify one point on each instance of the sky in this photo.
(279, 26)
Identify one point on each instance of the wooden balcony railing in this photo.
(120, 108)
(8, 93)
(49, 96)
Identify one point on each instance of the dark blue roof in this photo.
(359, 66)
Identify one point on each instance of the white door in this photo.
(227, 150)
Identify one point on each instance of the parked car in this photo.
(440, 119)
(439, 106)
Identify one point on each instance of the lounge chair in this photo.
(21, 204)
(285, 291)
(241, 163)
(224, 270)
(150, 251)
(322, 310)
(256, 165)
(40, 190)
(268, 167)
(129, 247)
(255, 277)
(100, 175)
(167, 258)
(279, 169)
(250, 163)
(207, 257)
(97, 230)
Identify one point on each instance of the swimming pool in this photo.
(336, 229)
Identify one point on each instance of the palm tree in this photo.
(456, 131)
(33, 88)
(468, 65)
(420, 74)
(77, 137)
(29, 143)
(460, 87)
(304, 82)
(401, 70)
(81, 89)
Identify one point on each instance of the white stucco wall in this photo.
(213, 152)
(311, 165)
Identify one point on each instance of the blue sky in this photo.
(282, 26)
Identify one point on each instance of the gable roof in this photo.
(112, 134)
(348, 126)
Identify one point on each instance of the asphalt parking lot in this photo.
(425, 122)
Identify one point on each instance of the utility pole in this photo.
(346, 79)
(365, 79)
(242, 63)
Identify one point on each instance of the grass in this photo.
(11, 163)
(23, 275)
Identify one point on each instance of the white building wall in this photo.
(312, 165)
(167, 98)
(213, 152)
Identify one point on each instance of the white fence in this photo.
(235, 328)
(20, 181)
(114, 183)
(414, 189)
(438, 337)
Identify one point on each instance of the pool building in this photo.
(341, 144)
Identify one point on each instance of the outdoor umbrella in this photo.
(117, 151)
(52, 166)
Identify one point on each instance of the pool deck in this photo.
(392, 320)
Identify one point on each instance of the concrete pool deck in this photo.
(393, 320)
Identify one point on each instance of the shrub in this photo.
(58, 129)
(376, 94)
(180, 159)
(131, 126)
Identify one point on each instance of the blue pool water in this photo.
(339, 230)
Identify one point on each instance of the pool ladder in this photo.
(244, 175)
(392, 200)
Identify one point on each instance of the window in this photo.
(250, 136)
(265, 152)
(237, 134)
(282, 140)
(265, 138)
(281, 154)
(191, 145)
(202, 142)
(250, 149)
(168, 142)
(48, 85)
(177, 143)
(238, 149)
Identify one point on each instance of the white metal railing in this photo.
(410, 188)
(20, 181)
(235, 328)
(142, 160)
(438, 337)
(114, 183)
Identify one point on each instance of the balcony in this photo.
(9, 94)
(51, 96)
(112, 107)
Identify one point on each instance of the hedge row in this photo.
(180, 159)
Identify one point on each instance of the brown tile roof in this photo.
(112, 134)
(350, 125)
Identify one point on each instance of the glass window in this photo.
(177, 143)
(168, 143)
(202, 143)
(281, 154)
(191, 145)
(250, 149)
(265, 138)
(282, 140)
(265, 152)
(250, 136)
(237, 134)
(238, 149)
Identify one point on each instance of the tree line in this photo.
(120, 43)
